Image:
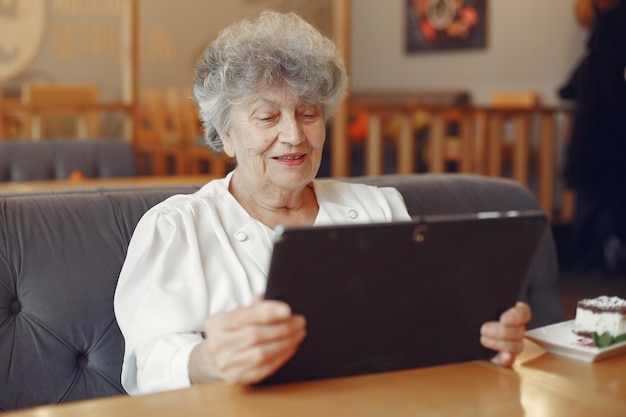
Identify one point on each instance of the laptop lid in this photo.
(383, 297)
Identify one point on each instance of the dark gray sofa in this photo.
(61, 252)
(56, 159)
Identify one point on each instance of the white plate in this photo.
(560, 339)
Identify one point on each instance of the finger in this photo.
(228, 347)
(265, 311)
(497, 330)
(501, 345)
(520, 314)
(254, 364)
(260, 334)
(258, 374)
(262, 312)
(504, 359)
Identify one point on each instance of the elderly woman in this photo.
(189, 299)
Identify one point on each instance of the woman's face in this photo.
(276, 139)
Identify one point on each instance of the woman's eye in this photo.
(267, 117)
(308, 115)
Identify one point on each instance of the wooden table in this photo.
(140, 181)
(540, 384)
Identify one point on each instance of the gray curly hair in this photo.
(275, 49)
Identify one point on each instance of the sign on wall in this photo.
(22, 26)
(434, 25)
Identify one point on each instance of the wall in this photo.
(195, 23)
(81, 42)
(531, 45)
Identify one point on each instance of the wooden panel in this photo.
(515, 133)
(340, 158)
(494, 153)
(406, 144)
(514, 99)
(50, 102)
(374, 146)
(521, 148)
(437, 141)
(63, 95)
(546, 172)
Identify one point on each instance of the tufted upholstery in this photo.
(56, 159)
(61, 252)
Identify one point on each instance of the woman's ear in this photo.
(227, 142)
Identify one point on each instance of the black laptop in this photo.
(383, 297)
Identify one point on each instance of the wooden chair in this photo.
(3, 117)
(511, 120)
(450, 139)
(509, 117)
(13, 119)
(62, 110)
(158, 133)
(199, 158)
(400, 115)
(167, 133)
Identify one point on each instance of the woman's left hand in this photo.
(506, 335)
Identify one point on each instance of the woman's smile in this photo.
(291, 159)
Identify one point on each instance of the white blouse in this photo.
(195, 255)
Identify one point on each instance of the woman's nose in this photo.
(291, 131)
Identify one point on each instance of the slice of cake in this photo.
(601, 315)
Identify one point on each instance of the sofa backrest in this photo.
(56, 159)
(61, 253)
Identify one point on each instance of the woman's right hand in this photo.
(246, 345)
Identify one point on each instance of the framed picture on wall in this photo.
(435, 25)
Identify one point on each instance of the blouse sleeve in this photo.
(160, 295)
(396, 203)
